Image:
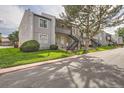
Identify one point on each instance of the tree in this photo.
(120, 32)
(0, 37)
(90, 19)
(13, 37)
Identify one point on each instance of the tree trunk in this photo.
(15, 44)
(86, 45)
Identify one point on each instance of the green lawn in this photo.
(102, 48)
(12, 57)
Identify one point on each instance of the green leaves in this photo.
(0, 37)
(120, 32)
(14, 36)
(91, 19)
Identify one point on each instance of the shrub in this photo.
(30, 46)
(53, 47)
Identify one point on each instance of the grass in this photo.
(102, 48)
(10, 57)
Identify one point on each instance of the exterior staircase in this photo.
(95, 43)
(69, 33)
(112, 42)
(74, 44)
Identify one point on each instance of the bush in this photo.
(30, 46)
(53, 47)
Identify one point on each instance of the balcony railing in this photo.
(63, 30)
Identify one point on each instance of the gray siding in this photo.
(26, 28)
(41, 31)
(30, 29)
(101, 37)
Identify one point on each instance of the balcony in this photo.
(63, 31)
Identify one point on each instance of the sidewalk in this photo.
(6, 46)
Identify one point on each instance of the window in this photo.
(44, 38)
(43, 23)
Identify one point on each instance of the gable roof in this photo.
(41, 16)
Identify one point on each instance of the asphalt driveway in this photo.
(112, 57)
(100, 69)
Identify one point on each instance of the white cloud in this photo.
(112, 30)
(10, 17)
(49, 9)
(53, 9)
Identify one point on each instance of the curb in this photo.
(12, 69)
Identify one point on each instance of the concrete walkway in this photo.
(6, 46)
(100, 69)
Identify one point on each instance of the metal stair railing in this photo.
(95, 42)
(74, 44)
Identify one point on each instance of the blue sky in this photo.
(10, 16)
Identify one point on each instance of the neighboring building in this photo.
(117, 39)
(48, 30)
(102, 38)
(5, 41)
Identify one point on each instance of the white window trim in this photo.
(46, 22)
(45, 39)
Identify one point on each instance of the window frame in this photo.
(43, 23)
(44, 38)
